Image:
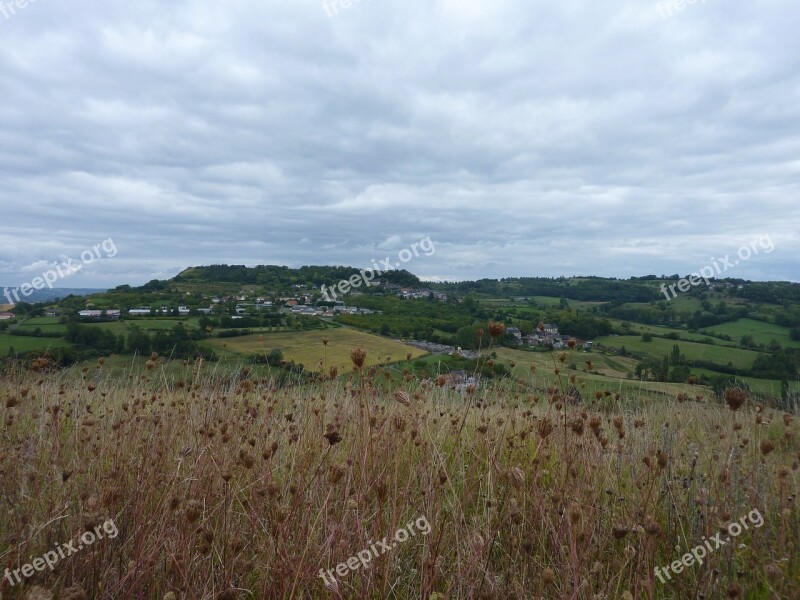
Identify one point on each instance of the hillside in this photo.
(721, 335)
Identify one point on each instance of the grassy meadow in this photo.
(227, 486)
(307, 347)
(21, 343)
(761, 332)
(738, 357)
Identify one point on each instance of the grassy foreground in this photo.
(230, 488)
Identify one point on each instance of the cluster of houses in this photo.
(549, 336)
(133, 312)
(100, 314)
(304, 303)
(327, 312)
(415, 293)
(290, 306)
(725, 286)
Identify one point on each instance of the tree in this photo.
(467, 337)
(747, 341)
(679, 370)
(275, 357)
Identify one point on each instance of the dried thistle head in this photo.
(545, 427)
(515, 477)
(333, 437)
(496, 329)
(619, 532)
(575, 513)
(595, 423)
(652, 527)
(734, 591)
(402, 397)
(358, 356)
(735, 398)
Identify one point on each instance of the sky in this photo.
(521, 137)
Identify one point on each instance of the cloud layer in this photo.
(524, 137)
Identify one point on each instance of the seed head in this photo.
(496, 329)
(735, 398)
(402, 397)
(358, 356)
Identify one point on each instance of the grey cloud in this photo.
(526, 138)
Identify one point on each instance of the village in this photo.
(301, 304)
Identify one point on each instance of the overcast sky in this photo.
(525, 137)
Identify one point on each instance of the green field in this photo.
(608, 373)
(306, 347)
(761, 332)
(660, 330)
(660, 347)
(160, 324)
(45, 324)
(770, 387)
(22, 343)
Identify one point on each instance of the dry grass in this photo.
(232, 488)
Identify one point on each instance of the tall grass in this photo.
(229, 487)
